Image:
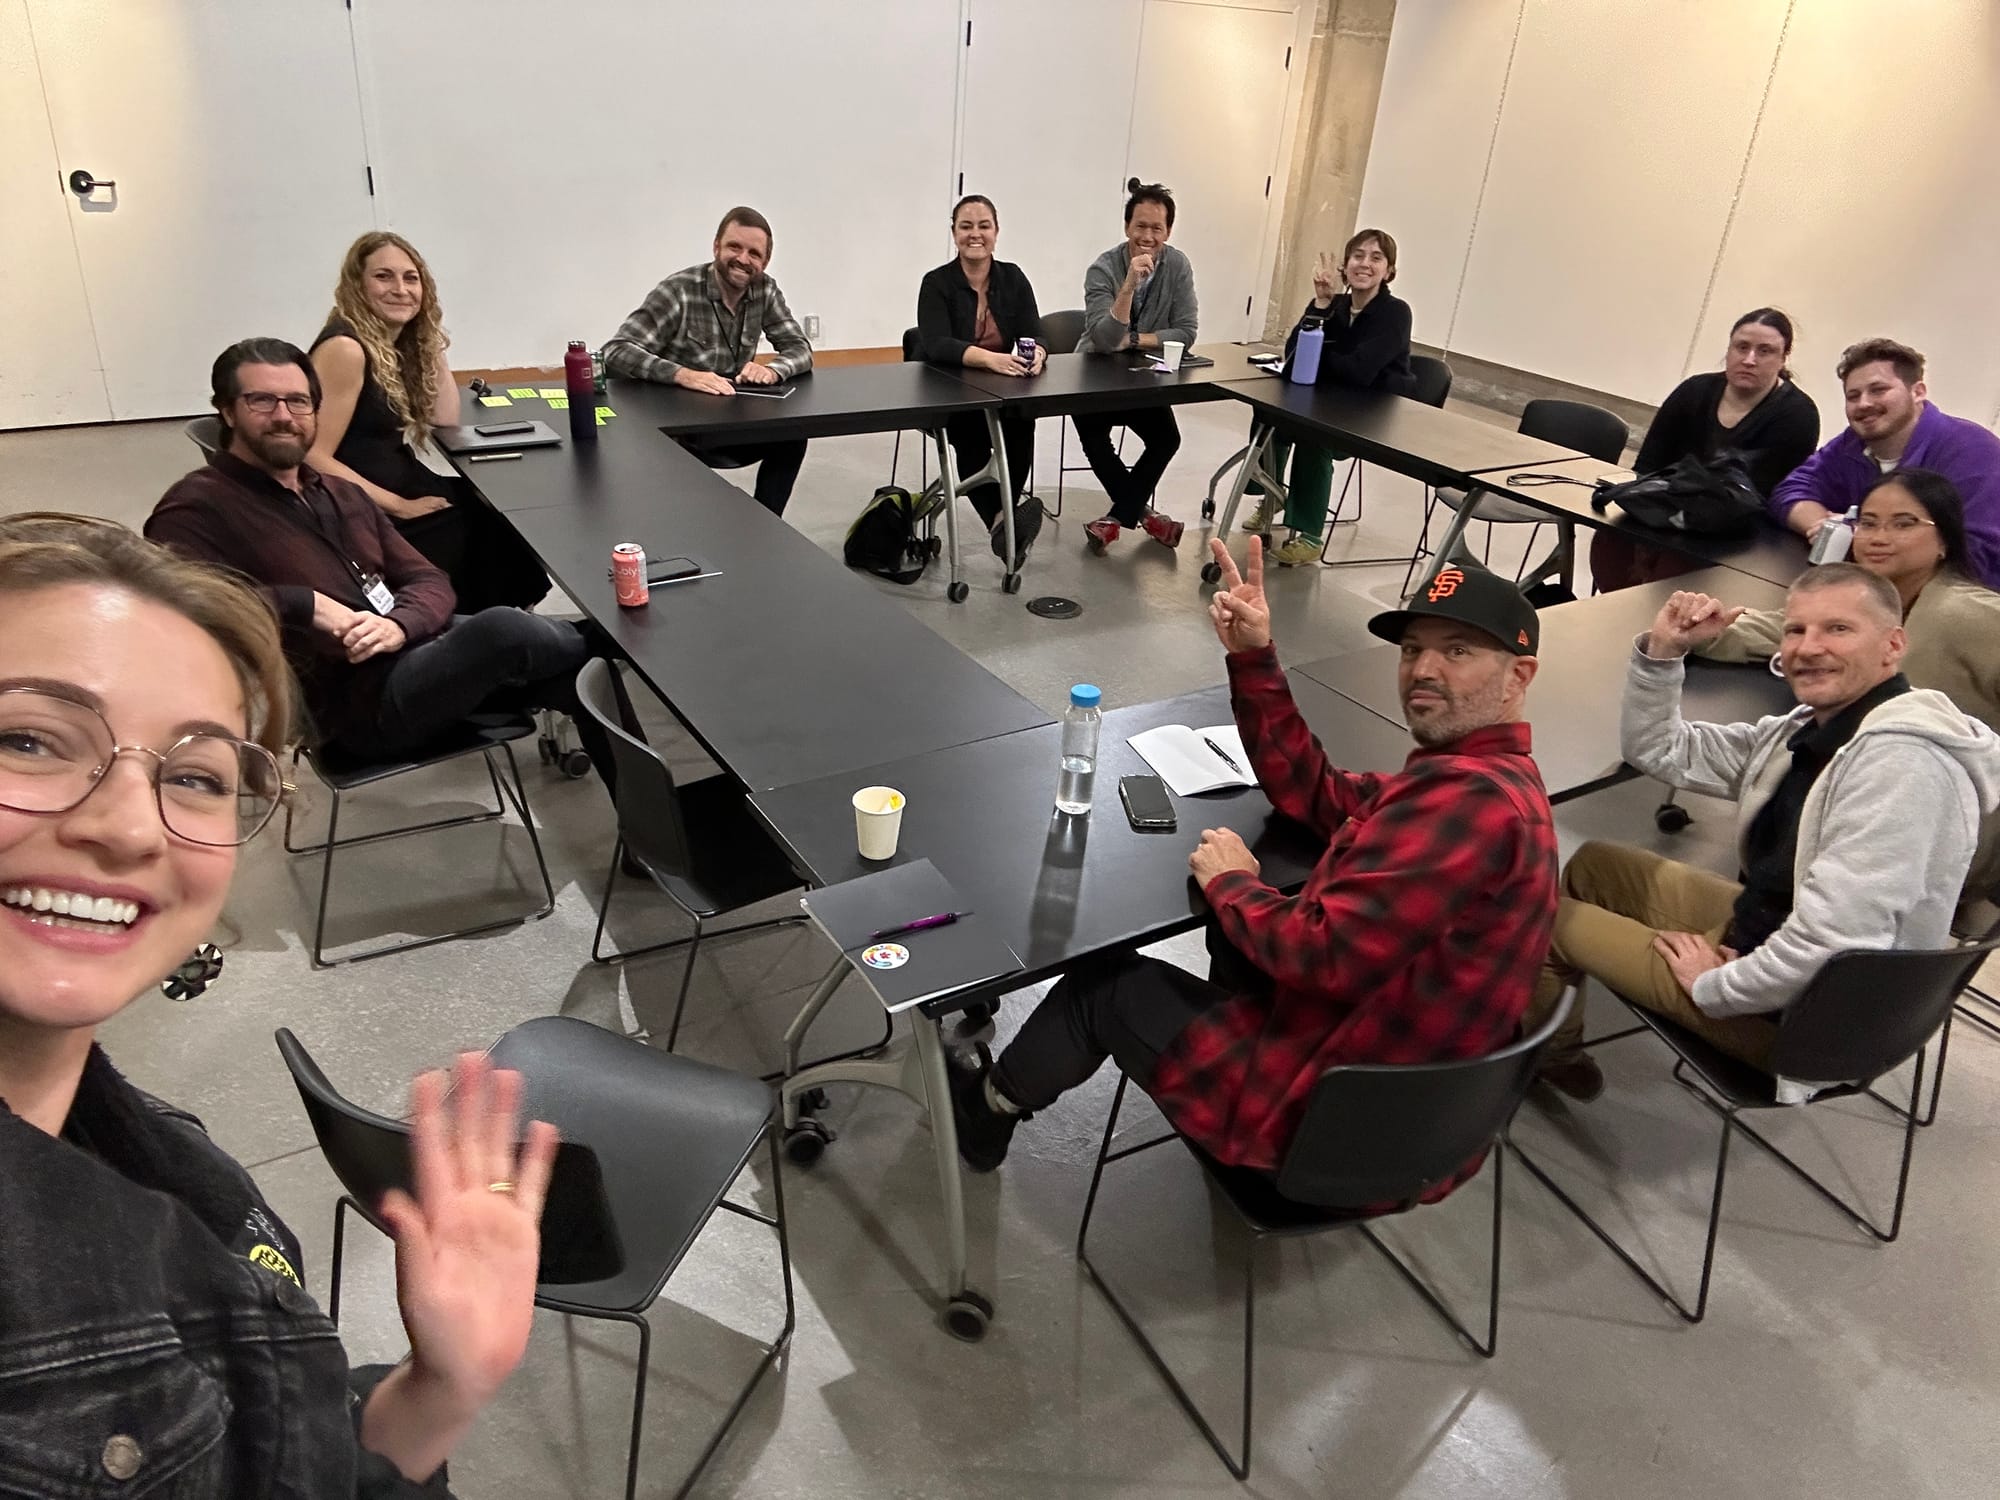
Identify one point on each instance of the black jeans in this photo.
(972, 447)
(1130, 489)
(1126, 1007)
(487, 562)
(777, 467)
(497, 661)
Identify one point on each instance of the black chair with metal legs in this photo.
(1062, 331)
(1570, 424)
(1374, 1140)
(1863, 1015)
(698, 841)
(484, 735)
(651, 1143)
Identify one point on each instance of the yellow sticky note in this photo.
(605, 411)
(494, 401)
(600, 419)
(558, 403)
(553, 393)
(521, 392)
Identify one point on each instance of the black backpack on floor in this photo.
(886, 539)
(1704, 499)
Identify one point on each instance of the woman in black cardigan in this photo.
(1749, 408)
(970, 312)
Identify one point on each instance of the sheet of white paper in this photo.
(1180, 758)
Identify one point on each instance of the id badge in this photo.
(381, 598)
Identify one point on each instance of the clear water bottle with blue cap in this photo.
(1079, 749)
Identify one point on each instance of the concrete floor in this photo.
(1829, 1364)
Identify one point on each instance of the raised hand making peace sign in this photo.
(1326, 278)
(1239, 611)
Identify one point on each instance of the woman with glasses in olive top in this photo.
(1911, 531)
(155, 1334)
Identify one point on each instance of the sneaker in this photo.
(1100, 534)
(1164, 529)
(1262, 519)
(1298, 552)
(1027, 526)
(984, 1133)
(1576, 1075)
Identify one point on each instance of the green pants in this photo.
(1309, 488)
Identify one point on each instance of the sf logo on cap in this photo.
(1445, 584)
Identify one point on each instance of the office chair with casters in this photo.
(1864, 1014)
(1569, 424)
(206, 434)
(1433, 387)
(1374, 1139)
(651, 1143)
(698, 840)
(485, 735)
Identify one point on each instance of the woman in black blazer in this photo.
(970, 312)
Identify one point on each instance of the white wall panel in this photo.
(1870, 205)
(1440, 101)
(1624, 128)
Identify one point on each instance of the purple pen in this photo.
(942, 919)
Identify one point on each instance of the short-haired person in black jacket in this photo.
(1367, 345)
(1749, 408)
(970, 312)
(156, 1336)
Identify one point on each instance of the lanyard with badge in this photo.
(381, 598)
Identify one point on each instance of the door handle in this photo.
(83, 184)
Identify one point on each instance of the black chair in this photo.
(1863, 1015)
(1569, 424)
(1433, 386)
(206, 434)
(698, 841)
(484, 735)
(1374, 1139)
(650, 1144)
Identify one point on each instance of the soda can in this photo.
(628, 574)
(1024, 351)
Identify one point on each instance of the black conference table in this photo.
(1772, 553)
(1573, 703)
(1081, 384)
(1057, 889)
(785, 667)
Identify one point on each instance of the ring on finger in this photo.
(502, 1186)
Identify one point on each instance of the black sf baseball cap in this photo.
(1474, 596)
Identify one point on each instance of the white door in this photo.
(48, 357)
(1047, 113)
(233, 134)
(1211, 100)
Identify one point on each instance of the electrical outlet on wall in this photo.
(812, 328)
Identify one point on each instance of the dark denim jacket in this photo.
(154, 1337)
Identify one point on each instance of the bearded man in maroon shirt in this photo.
(1417, 937)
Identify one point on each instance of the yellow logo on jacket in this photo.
(268, 1257)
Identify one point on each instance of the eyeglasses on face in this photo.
(263, 403)
(1897, 525)
(211, 789)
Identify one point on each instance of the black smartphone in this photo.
(504, 429)
(668, 569)
(1147, 805)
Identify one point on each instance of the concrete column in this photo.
(1350, 48)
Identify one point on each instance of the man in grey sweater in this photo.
(1857, 816)
(1137, 295)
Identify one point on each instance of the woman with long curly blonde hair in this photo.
(381, 360)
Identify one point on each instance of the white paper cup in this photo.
(878, 819)
(1170, 354)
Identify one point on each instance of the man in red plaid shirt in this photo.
(1417, 937)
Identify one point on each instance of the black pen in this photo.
(1227, 759)
(922, 924)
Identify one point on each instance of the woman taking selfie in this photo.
(381, 362)
(154, 1334)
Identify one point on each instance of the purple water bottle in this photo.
(580, 380)
(1305, 355)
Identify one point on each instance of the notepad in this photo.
(910, 968)
(1180, 757)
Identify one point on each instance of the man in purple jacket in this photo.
(1890, 425)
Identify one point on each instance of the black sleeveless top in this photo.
(373, 446)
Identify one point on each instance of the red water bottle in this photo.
(582, 384)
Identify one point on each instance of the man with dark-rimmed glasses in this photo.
(384, 664)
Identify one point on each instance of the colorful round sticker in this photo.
(886, 956)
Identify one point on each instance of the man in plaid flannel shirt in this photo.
(1417, 937)
(699, 329)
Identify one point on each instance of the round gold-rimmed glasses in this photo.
(212, 789)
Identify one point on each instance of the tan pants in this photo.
(1615, 898)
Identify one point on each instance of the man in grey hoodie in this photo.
(1857, 816)
(1137, 295)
